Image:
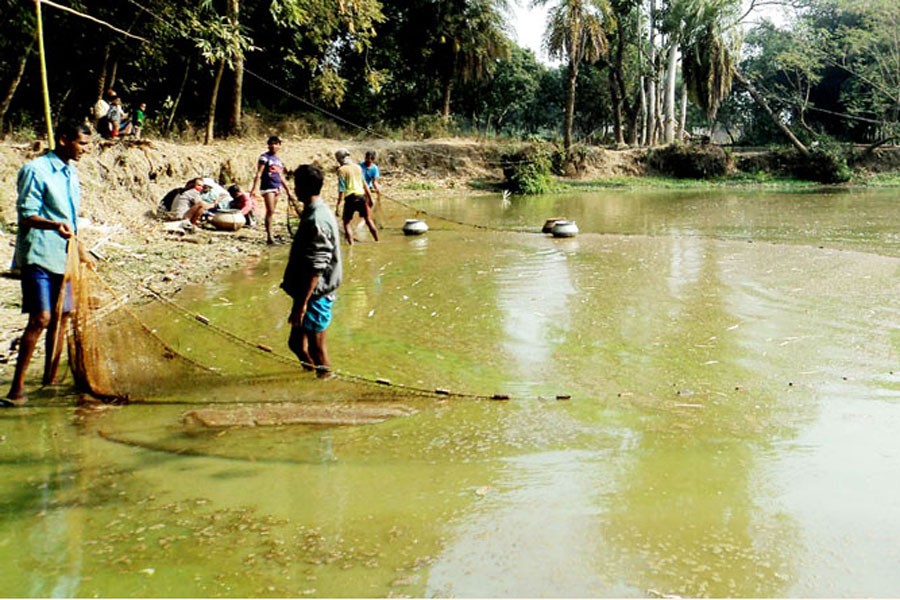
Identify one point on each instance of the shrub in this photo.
(528, 170)
(825, 163)
(690, 161)
(572, 163)
(426, 127)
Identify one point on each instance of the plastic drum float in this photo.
(229, 219)
(564, 229)
(415, 227)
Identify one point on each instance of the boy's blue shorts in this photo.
(318, 313)
(40, 290)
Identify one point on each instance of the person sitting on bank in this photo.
(188, 205)
(165, 205)
(214, 194)
(119, 122)
(99, 113)
(243, 202)
(352, 188)
(140, 117)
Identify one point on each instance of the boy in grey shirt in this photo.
(313, 273)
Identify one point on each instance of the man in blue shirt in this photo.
(371, 173)
(49, 196)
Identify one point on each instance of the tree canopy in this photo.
(424, 67)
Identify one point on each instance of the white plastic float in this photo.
(229, 219)
(415, 227)
(564, 229)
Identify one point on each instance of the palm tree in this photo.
(471, 35)
(709, 44)
(575, 33)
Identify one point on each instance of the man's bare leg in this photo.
(371, 225)
(271, 200)
(37, 323)
(51, 361)
(299, 345)
(319, 353)
(348, 232)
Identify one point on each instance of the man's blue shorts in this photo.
(40, 290)
(318, 313)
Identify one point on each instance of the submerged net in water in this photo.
(170, 354)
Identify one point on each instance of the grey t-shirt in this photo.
(316, 250)
(183, 202)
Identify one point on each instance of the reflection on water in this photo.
(726, 368)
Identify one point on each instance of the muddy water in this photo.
(703, 400)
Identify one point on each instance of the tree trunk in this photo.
(210, 124)
(237, 90)
(616, 108)
(639, 117)
(447, 87)
(757, 97)
(671, 70)
(640, 106)
(682, 117)
(111, 80)
(14, 84)
(651, 111)
(651, 81)
(101, 79)
(445, 99)
(187, 70)
(571, 80)
(619, 93)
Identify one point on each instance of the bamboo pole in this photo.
(46, 89)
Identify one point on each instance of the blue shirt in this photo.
(370, 173)
(49, 188)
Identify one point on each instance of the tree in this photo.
(866, 45)
(220, 42)
(575, 33)
(470, 36)
(705, 34)
(501, 102)
(318, 33)
(625, 69)
(237, 83)
(17, 43)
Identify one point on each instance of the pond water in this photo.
(703, 399)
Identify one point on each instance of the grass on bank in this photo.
(561, 185)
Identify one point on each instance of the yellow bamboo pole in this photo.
(46, 88)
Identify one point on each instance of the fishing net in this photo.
(147, 347)
(113, 355)
(137, 344)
